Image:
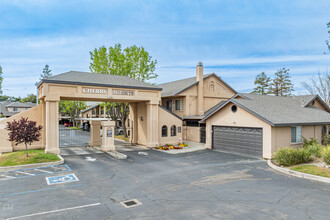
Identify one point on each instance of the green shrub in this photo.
(315, 150)
(289, 156)
(326, 139)
(311, 141)
(326, 154)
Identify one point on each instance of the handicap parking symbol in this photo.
(61, 179)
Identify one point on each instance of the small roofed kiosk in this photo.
(143, 98)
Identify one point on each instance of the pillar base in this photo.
(52, 151)
(108, 148)
(154, 144)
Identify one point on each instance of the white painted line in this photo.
(43, 171)
(54, 211)
(7, 176)
(25, 173)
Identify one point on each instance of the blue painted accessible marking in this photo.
(61, 179)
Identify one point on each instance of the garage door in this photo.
(240, 140)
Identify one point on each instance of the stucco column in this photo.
(108, 135)
(95, 133)
(43, 117)
(133, 123)
(152, 125)
(52, 142)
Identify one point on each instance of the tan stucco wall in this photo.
(165, 118)
(191, 134)
(241, 118)
(216, 93)
(141, 125)
(281, 136)
(33, 114)
(212, 96)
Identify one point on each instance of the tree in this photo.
(30, 98)
(262, 83)
(1, 79)
(45, 73)
(72, 108)
(319, 85)
(10, 98)
(281, 85)
(133, 62)
(24, 131)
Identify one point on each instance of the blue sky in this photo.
(234, 39)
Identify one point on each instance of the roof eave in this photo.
(99, 84)
(241, 106)
(321, 100)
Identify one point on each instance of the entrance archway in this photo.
(143, 98)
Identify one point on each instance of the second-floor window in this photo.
(178, 105)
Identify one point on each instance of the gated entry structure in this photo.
(146, 117)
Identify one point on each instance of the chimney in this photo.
(200, 89)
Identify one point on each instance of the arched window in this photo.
(173, 130)
(164, 131)
(324, 130)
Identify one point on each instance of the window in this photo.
(178, 105)
(164, 131)
(324, 130)
(15, 109)
(169, 105)
(173, 130)
(234, 108)
(296, 136)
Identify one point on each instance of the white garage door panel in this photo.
(238, 140)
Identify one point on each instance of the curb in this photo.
(33, 165)
(117, 155)
(298, 174)
(120, 140)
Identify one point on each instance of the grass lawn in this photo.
(19, 158)
(74, 128)
(122, 137)
(312, 169)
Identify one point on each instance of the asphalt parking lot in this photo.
(198, 185)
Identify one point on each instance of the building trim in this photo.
(97, 84)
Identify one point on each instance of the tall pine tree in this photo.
(281, 85)
(262, 83)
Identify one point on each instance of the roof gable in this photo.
(174, 88)
(277, 111)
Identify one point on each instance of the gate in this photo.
(69, 137)
(203, 135)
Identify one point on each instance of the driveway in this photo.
(197, 185)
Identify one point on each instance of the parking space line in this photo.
(25, 173)
(44, 171)
(7, 176)
(38, 190)
(54, 211)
